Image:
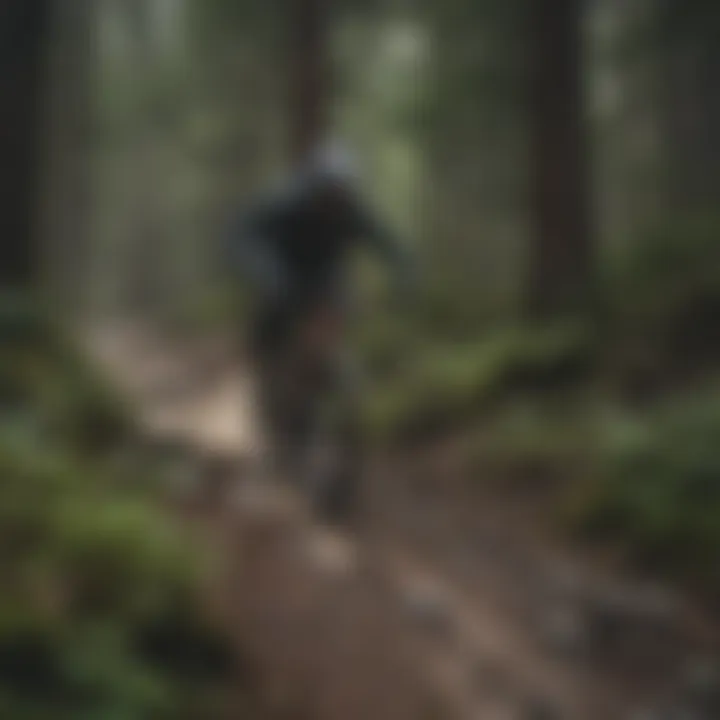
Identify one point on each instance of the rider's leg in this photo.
(340, 496)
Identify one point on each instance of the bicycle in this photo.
(311, 414)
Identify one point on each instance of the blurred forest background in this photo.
(554, 164)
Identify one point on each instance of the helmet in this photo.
(332, 162)
(329, 165)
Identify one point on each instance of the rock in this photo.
(701, 687)
(540, 709)
(565, 631)
(513, 709)
(640, 625)
(332, 554)
(675, 711)
(427, 607)
(646, 714)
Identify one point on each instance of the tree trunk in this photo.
(562, 259)
(310, 74)
(23, 41)
(691, 124)
(147, 258)
(69, 201)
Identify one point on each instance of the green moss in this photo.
(535, 438)
(451, 383)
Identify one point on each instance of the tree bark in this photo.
(691, 124)
(562, 254)
(310, 75)
(71, 123)
(147, 257)
(23, 42)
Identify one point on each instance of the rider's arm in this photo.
(250, 253)
(378, 237)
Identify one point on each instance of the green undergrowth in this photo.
(621, 414)
(664, 300)
(447, 385)
(657, 486)
(101, 610)
(645, 481)
(536, 443)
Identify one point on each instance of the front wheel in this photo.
(335, 467)
(336, 492)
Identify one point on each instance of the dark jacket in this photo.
(293, 249)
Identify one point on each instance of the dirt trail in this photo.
(442, 605)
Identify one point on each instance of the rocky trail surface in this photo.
(445, 603)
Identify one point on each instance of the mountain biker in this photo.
(295, 246)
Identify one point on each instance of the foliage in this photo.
(449, 384)
(100, 614)
(659, 485)
(544, 442)
(672, 266)
(45, 380)
(666, 298)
